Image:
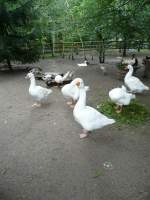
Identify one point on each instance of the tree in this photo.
(68, 21)
(19, 32)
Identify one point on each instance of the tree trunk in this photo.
(101, 52)
(72, 57)
(52, 48)
(124, 48)
(82, 43)
(53, 41)
(63, 50)
(43, 49)
(9, 63)
(61, 43)
(139, 46)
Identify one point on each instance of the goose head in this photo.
(129, 67)
(79, 82)
(76, 81)
(30, 75)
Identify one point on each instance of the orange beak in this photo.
(78, 83)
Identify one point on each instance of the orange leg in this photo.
(118, 109)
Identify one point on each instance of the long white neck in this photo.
(66, 76)
(32, 82)
(130, 72)
(82, 99)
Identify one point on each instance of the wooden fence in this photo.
(71, 49)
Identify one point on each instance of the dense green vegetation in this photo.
(19, 31)
(100, 19)
(24, 24)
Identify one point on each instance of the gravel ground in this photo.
(42, 157)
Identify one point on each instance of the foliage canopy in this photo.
(25, 24)
(19, 33)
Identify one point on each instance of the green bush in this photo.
(19, 32)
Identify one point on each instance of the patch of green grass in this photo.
(98, 173)
(120, 66)
(135, 113)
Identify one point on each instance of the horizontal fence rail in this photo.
(59, 47)
(99, 47)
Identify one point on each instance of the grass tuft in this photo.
(135, 113)
(98, 173)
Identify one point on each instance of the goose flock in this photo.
(75, 93)
(123, 96)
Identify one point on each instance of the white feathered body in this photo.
(60, 79)
(84, 64)
(70, 91)
(120, 96)
(37, 92)
(88, 117)
(134, 83)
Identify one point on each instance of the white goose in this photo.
(120, 97)
(60, 79)
(133, 83)
(84, 64)
(88, 117)
(38, 93)
(71, 91)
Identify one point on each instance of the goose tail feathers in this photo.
(111, 121)
(146, 88)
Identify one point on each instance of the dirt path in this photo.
(42, 157)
